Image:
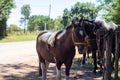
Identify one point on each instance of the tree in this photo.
(37, 22)
(116, 13)
(32, 23)
(25, 11)
(57, 24)
(84, 10)
(5, 7)
(13, 28)
(66, 17)
(111, 10)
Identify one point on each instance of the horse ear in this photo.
(74, 23)
(81, 19)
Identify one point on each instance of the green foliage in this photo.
(20, 37)
(66, 17)
(3, 27)
(32, 23)
(116, 13)
(13, 28)
(5, 7)
(111, 9)
(37, 22)
(84, 10)
(25, 11)
(57, 24)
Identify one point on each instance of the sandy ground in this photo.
(19, 61)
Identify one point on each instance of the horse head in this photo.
(78, 35)
(90, 27)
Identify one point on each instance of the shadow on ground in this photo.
(28, 72)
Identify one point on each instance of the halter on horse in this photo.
(90, 28)
(63, 50)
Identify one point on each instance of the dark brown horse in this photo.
(62, 50)
(90, 28)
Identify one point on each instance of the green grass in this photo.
(15, 37)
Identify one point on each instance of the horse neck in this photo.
(67, 39)
(88, 29)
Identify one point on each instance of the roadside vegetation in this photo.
(19, 36)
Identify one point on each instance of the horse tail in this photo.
(38, 52)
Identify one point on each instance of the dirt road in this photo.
(19, 61)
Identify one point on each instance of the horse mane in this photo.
(62, 32)
(69, 27)
(74, 21)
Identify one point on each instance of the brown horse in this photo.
(62, 50)
(90, 28)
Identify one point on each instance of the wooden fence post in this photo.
(107, 64)
(116, 54)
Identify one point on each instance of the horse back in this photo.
(45, 40)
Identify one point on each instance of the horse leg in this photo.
(40, 62)
(89, 60)
(100, 59)
(40, 70)
(88, 55)
(58, 69)
(67, 69)
(84, 56)
(94, 58)
(44, 66)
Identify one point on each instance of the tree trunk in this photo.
(3, 31)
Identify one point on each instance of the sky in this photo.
(41, 7)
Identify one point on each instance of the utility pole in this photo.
(45, 27)
(49, 10)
